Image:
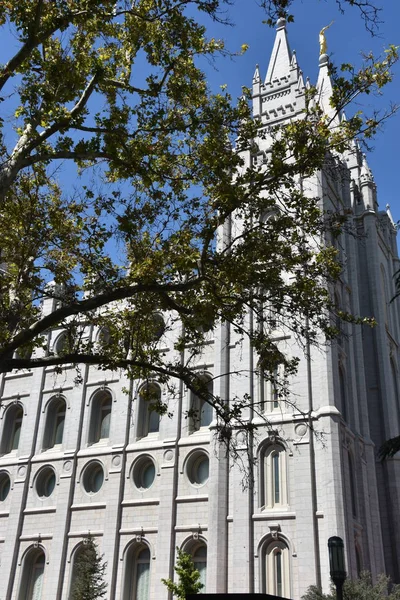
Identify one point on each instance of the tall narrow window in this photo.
(149, 403)
(54, 430)
(395, 389)
(352, 486)
(12, 429)
(137, 573)
(32, 576)
(200, 562)
(100, 417)
(272, 389)
(273, 479)
(201, 411)
(276, 576)
(343, 394)
(276, 479)
(385, 299)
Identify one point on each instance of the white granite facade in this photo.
(87, 458)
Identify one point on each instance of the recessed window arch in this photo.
(273, 476)
(137, 572)
(198, 551)
(55, 419)
(100, 416)
(31, 587)
(275, 568)
(201, 411)
(148, 418)
(12, 425)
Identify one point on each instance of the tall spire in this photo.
(281, 57)
(282, 95)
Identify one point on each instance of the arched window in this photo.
(75, 568)
(271, 395)
(273, 479)
(343, 394)
(55, 419)
(100, 417)
(137, 573)
(12, 429)
(201, 411)
(199, 554)
(32, 575)
(148, 417)
(276, 569)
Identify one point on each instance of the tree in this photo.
(89, 569)
(359, 589)
(189, 577)
(157, 164)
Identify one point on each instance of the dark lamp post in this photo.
(336, 564)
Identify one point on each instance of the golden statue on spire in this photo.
(322, 39)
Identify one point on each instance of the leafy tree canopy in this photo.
(155, 172)
(359, 589)
(89, 568)
(189, 577)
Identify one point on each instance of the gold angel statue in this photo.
(322, 39)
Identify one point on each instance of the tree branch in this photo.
(90, 304)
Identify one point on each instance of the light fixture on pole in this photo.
(336, 564)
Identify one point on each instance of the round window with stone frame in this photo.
(61, 345)
(93, 478)
(5, 485)
(144, 473)
(197, 468)
(45, 482)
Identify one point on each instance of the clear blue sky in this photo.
(346, 39)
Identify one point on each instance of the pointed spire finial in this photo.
(256, 76)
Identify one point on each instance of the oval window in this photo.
(5, 485)
(93, 478)
(45, 482)
(198, 468)
(144, 473)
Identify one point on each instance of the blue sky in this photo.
(347, 38)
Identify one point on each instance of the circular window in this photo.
(61, 344)
(144, 473)
(198, 468)
(45, 482)
(5, 485)
(93, 478)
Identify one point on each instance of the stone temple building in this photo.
(91, 459)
